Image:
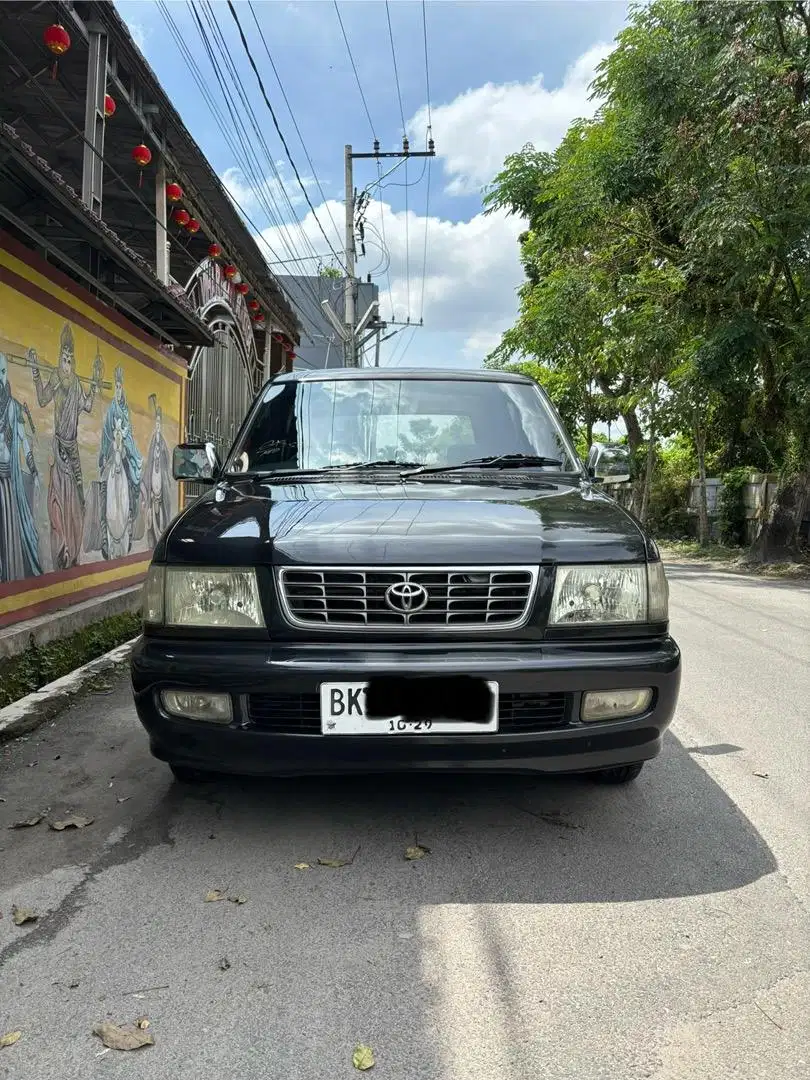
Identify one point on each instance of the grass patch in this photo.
(691, 549)
(39, 665)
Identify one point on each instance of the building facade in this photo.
(136, 310)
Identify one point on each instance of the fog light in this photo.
(615, 704)
(215, 708)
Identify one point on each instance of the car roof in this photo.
(444, 374)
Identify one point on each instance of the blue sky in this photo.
(502, 73)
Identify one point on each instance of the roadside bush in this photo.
(668, 516)
(731, 507)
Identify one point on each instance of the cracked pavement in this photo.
(556, 930)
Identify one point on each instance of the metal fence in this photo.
(219, 394)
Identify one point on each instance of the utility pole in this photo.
(351, 340)
(352, 329)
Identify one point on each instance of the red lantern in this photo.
(109, 106)
(174, 193)
(181, 216)
(229, 271)
(242, 288)
(214, 251)
(57, 41)
(141, 155)
(192, 225)
(258, 317)
(253, 305)
(291, 356)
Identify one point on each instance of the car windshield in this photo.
(327, 423)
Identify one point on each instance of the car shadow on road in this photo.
(503, 839)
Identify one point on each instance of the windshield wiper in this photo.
(368, 465)
(495, 461)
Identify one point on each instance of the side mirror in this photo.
(609, 464)
(198, 462)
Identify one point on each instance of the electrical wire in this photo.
(429, 161)
(404, 134)
(354, 69)
(248, 157)
(304, 191)
(292, 116)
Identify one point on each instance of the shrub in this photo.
(731, 507)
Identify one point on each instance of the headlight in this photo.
(613, 593)
(212, 598)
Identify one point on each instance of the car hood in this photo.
(425, 523)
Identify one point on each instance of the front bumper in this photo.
(257, 668)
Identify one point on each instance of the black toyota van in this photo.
(404, 570)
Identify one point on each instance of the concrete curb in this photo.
(34, 709)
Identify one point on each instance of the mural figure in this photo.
(120, 466)
(157, 479)
(65, 489)
(19, 542)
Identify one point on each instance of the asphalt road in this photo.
(557, 930)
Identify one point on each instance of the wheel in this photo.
(186, 775)
(619, 774)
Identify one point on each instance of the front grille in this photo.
(300, 714)
(471, 599)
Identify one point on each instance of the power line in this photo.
(354, 69)
(404, 132)
(249, 157)
(278, 130)
(292, 116)
(396, 69)
(429, 162)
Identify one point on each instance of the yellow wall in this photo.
(40, 310)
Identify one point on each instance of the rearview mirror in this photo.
(609, 464)
(198, 462)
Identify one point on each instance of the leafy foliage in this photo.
(667, 256)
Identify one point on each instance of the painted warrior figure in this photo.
(65, 489)
(19, 542)
(157, 479)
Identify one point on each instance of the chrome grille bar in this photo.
(403, 598)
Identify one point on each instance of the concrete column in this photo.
(161, 234)
(94, 119)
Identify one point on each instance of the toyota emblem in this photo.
(406, 597)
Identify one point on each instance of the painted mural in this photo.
(89, 409)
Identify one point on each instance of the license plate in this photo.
(343, 712)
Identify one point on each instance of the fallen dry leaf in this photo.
(762, 775)
(71, 821)
(416, 851)
(142, 1022)
(28, 823)
(23, 915)
(10, 1039)
(363, 1058)
(301, 866)
(215, 894)
(238, 899)
(335, 864)
(125, 1037)
(124, 798)
(224, 963)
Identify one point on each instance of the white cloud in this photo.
(476, 131)
(139, 33)
(473, 267)
(279, 190)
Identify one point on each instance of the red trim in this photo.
(25, 585)
(37, 263)
(56, 602)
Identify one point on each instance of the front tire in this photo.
(619, 774)
(183, 774)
